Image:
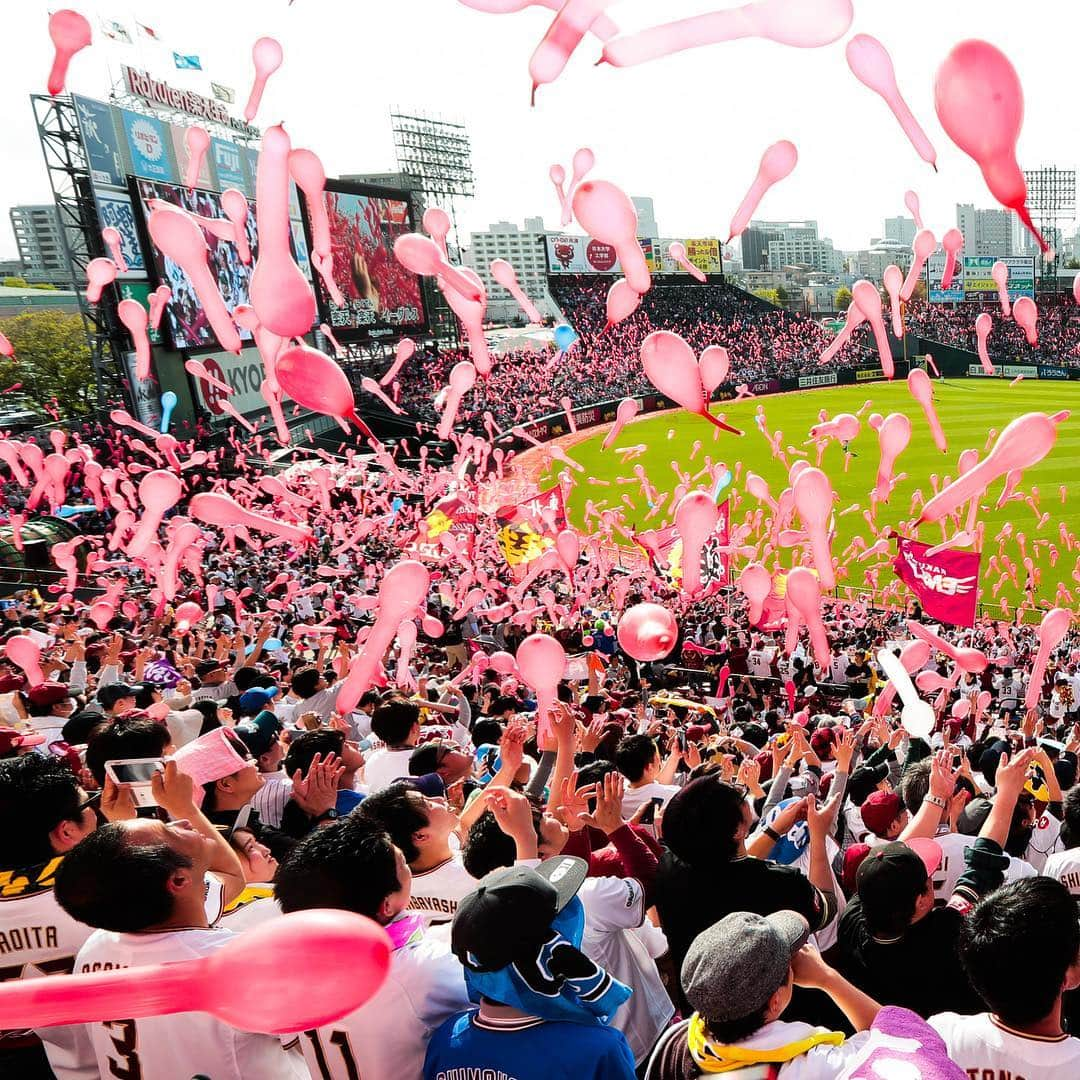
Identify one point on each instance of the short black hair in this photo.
(306, 744)
(1070, 826)
(393, 720)
(78, 727)
(505, 704)
(1027, 927)
(701, 821)
(634, 754)
(348, 864)
(124, 737)
(398, 814)
(369, 697)
(733, 1031)
(486, 730)
(915, 785)
(305, 681)
(487, 847)
(109, 883)
(245, 678)
(37, 793)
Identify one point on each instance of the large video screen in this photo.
(185, 318)
(380, 294)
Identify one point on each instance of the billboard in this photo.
(244, 373)
(178, 135)
(185, 316)
(380, 294)
(100, 141)
(114, 208)
(148, 145)
(229, 166)
(704, 254)
(581, 255)
(972, 280)
(826, 379)
(1005, 371)
(140, 291)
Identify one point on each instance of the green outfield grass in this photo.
(968, 408)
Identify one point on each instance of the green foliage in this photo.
(772, 295)
(15, 283)
(52, 360)
(843, 298)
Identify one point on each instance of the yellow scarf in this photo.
(712, 1057)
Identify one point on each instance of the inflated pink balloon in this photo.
(695, 520)
(960, 539)
(436, 224)
(280, 294)
(755, 583)
(70, 33)
(470, 314)
(372, 387)
(267, 55)
(583, 163)
(777, 162)
(1023, 443)
(187, 615)
(924, 245)
(893, 280)
(6, 348)
(462, 380)
(673, 369)
(627, 410)
(197, 143)
(420, 254)
(568, 546)
(564, 35)
(805, 24)
(814, 501)
(1052, 629)
(157, 301)
(504, 663)
(980, 104)
(159, 491)
(1026, 315)
(114, 243)
(844, 427)
(714, 364)
(953, 243)
(868, 300)
(99, 274)
(677, 250)
(854, 319)
(135, 317)
(622, 301)
(315, 381)
(911, 201)
(25, 654)
(804, 589)
(406, 347)
(234, 204)
(1076, 288)
(198, 369)
(919, 385)
(214, 508)
(647, 632)
(894, 434)
(871, 64)
(1000, 273)
(503, 273)
(557, 176)
(542, 663)
(345, 959)
(983, 325)
(606, 212)
(181, 239)
(603, 27)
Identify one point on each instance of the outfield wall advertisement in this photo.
(972, 280)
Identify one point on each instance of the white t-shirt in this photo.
(759, 662)
(386, 1039)
(635, 798)
(983, 1046)
(436, 892)
(253, 907)
(383, 766)
(1063, 866)
(953, 846)
(1045, 840)
(182, 1044)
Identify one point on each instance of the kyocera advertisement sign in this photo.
(244, 373)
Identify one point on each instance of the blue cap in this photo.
(257, 697)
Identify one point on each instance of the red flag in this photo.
(947, 584)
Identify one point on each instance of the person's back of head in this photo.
(304, 682)
(486, 730)
(350, 864)
(38, 794)
(704, 823)
(915, 784)
(634, 755)
(307, 744)
(124, 737)
(394, 720)
(1020, 947)
(399, 810)
(1070, 828)
(487, 847)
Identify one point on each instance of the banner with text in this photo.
(946, 584)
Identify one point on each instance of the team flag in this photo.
(527, 530)
(223, 93)
(147, 31)
(946, 584)
(187, 63)
(115, 31)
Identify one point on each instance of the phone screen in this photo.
(138, 772)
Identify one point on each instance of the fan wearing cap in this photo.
(543, 1006)
(50, 705)
(738, 977)
(260, 736)
(353, 865)
(893, 942)
(884, 815)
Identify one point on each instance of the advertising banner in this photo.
(1005, 371)
(100, 142)
(972, 279)
(145, 393)
(244, 373)
(177, 134)
(705, 255)
(1052, 372)
(228, 165)
(581, 255)
(115, 209)
(765, 386)
(946, 584)
(827, 378)
(147, 143)
(935, 271)
(868, 374)
(140, 291)
(653, 258)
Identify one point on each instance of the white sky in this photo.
(688, 130)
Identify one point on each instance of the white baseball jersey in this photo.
(953, 846)
(1064, 866)
(983, 1046)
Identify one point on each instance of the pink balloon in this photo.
(187, 615)
(980, 104)
(503, 273)
(983, 325)
(565, 34)
(432, 626)
(921, 390)
(606, 212)
(647, 632)
(234, 204)
(871, 64)
(622, 302)
(805, 24)
(626, 412)
(1000, 273)
(673, 369)
(436, 224)
(70, 33)
(542, 663)
(854, 319)
(503, 663)
(197, 143)
(180, 238)
(911, 201)
(814, 501)
(568, 546)
(755, 583)
(267, 56)
(25, 654)
(99, 274)
(1026, 316)
(280, 294)
(804, 589)
(420, 254)
(894, 434)
(157, 301)
(557, 175)
(312, 379)
(843, 427)
(135, 317)
(677, 250)
(462, 380)
(1076, 288)
(924, 245)
(6, 348)
(214, 508)
(1023, 443)
(345, 959)
(113, 242)
(953, 243)
(714, 365)
(198, 369)
(307, 171)
(406, 347)
(695, 520)
(778, 162)
(893, 280)
(868, 300)
(159, 491)
(471, 315)
(1052, 629)
(603, 27)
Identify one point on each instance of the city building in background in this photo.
(754, 243)
(41, 245)
(523, 249)
(871, 262)
(986, 232)
(646, 215)
(901, 229)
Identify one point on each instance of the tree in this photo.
(781, 294)
(770, 295)
(15, 283)
(919, 292)
(52, 360)
(843, 298)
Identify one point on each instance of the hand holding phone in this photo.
(136, 774)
